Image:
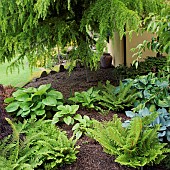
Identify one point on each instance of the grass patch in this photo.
(16, 79)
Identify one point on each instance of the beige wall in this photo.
(132, 43)
(116, 47)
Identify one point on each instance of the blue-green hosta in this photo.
(163, 119)
(152, 90)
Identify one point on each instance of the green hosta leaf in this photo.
(86, 118)
(55, 94)
(22, 97)
(78, 134)
(37, 106)
(78, 117)
(19, 112)
(25, 106)
(26, 113)
(18, 93)
(12, 107)
(9, 100)
(73, 109)
(55, 119)
(40, 112)
(76, 126)
(30, 90)
(49, 101)
(68, 120)
(42, 89)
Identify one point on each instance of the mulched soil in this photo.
(91, 155)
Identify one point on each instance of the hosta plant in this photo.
(36, 145)
(81, 127)
(152, 90)
(134, 146)
(65, 114)
(86, 98)
(163, 119)
(26, 102)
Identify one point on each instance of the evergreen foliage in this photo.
(134, 146)
(36, 145)
(33, 28)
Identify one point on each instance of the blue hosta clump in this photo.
(153, 90)
(163, 119)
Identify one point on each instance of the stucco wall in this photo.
(132, 43)
(116, 47)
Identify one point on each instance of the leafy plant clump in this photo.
(134, 146)
(34, 101)
(36, 145)
(65, 113)
(150, 64)
(82, 125)
(116, 98)
(163, 119)
(86, 98)
(152, 90)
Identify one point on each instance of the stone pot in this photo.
(106, 60)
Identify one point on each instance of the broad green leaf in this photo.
(56, 94)
(55, 119)
(76, 126)
(26, 113)
(9, 100)
(18, 93)
(73, 109)
(19, 112)
(42, 89)
(86, 118)
(40, 112)
(79, 134)
(12, 107)
(49, 101)
(78, 117)
(68, 120)
(37, 106)
(25, 106)
(30, 90)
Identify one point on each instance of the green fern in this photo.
(36, 144)
(135, 146)
(117, 98)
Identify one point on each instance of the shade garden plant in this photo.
(83, 125)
